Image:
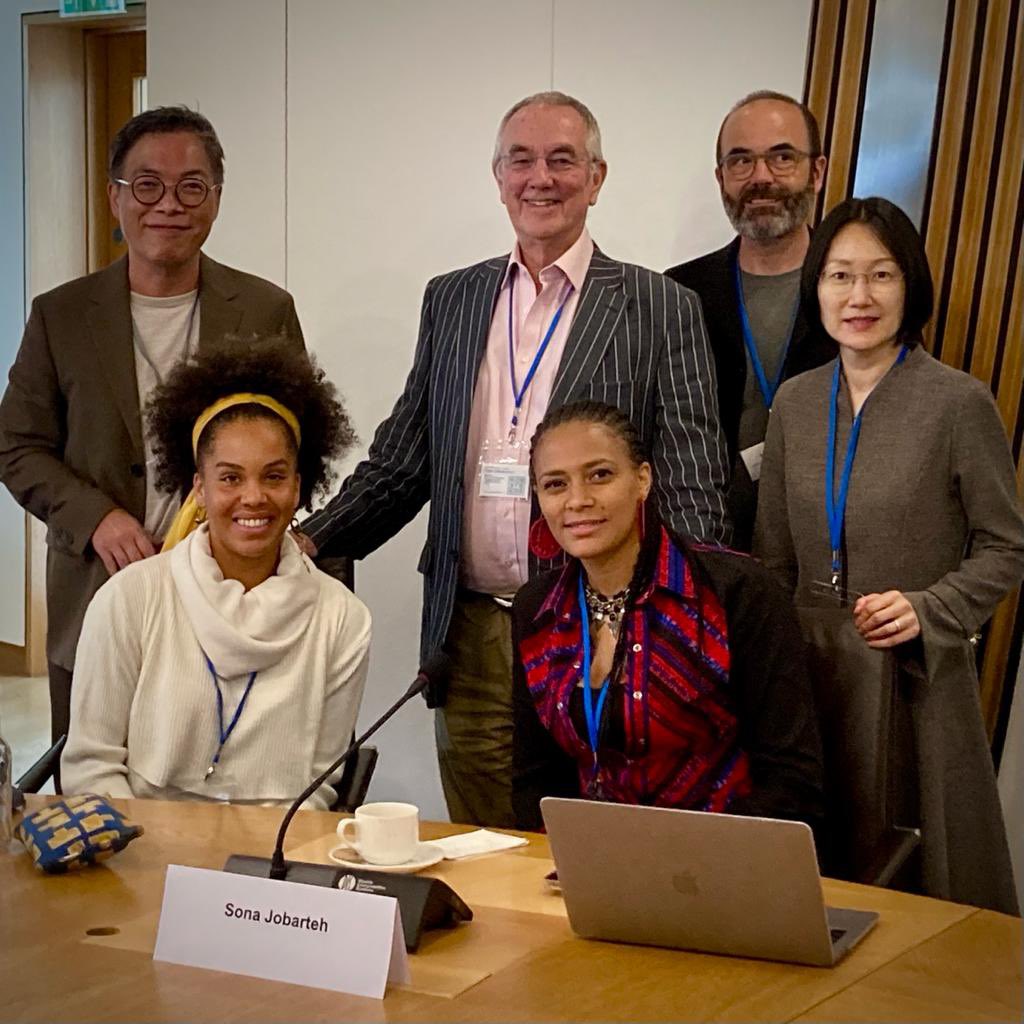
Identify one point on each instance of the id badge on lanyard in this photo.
(504, 470)
(835, 503)
(500, 472)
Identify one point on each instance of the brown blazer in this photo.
(70, 425)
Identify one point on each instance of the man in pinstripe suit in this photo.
(499, 343)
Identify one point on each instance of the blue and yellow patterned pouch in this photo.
(77, 831)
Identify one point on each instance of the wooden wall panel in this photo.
(836, 75)
(848, 104)
(1001, 315)
(113, 60)
(1002, 253)
(970, 329)
(941, 221)
(827, 22)
(1011, 398)
(955, 308)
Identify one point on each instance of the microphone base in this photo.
(424, 903)
(297, 871)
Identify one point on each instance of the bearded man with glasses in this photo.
(770, 169)
(72, 447)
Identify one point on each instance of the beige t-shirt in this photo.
(164, 330)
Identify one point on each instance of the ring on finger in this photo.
(896, 625)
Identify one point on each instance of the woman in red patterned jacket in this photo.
(650, 670)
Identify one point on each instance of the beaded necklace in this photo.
(608, 610)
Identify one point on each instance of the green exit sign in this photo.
(88, 8)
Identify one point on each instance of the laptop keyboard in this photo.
(837, 934)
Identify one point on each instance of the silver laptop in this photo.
(716, 883)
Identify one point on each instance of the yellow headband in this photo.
(243, 398)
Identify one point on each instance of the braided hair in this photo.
(621, 426)
(589, 411)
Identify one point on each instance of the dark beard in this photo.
(761, 226)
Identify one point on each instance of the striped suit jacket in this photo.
(637, 341)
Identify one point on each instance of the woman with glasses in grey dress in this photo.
(888, 507)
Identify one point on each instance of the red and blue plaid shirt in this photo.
(679, 722)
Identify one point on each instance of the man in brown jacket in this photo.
(72, 445)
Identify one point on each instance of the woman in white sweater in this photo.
(228, 667)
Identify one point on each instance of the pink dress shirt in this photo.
(495, 530)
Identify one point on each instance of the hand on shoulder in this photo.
(306, 546)
(121, 539)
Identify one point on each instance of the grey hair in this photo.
(554, 99)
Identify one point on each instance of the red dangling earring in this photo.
(542, 540)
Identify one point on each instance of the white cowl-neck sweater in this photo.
(144, 704)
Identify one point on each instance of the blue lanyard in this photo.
(592, 716)
(225, 734)
(767, 390)
(835, 507)
(519, 393)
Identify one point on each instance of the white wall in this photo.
(227, 59)
(659, 76)
(372, 164)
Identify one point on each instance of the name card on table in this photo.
(285, 931)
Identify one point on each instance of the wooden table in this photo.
(518, 959)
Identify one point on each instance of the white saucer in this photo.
(426, 856)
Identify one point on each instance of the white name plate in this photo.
(752, 458)
(305, 934)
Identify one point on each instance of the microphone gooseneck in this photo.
(434, 669)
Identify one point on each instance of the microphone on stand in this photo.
(423, 902)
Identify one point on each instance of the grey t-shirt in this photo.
(770, 300)
(165, 330)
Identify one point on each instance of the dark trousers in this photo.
(60, 710)
(474, 728)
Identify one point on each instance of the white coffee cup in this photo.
(383, 833)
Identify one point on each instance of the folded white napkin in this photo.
(480, 841)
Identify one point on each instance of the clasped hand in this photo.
(885, 620)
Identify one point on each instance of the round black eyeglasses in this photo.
(148, 190)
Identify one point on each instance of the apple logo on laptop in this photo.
(685, 882)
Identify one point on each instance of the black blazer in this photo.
(712, 278)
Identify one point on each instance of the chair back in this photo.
(39, 774)
(355, 780)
